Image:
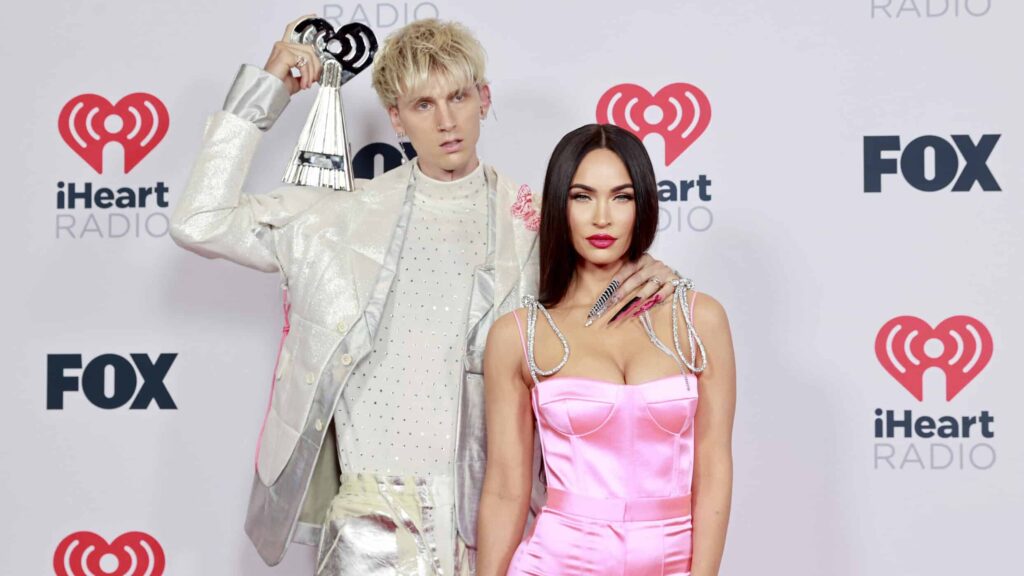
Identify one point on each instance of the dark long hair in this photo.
(558, 257)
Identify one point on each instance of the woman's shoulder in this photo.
(708, 312)
(508, 326)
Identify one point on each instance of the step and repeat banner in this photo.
(843, 176)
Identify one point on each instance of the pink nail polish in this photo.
(650, 303)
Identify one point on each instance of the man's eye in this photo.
(459, 97)
(423, 106)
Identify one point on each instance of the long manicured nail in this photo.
(647, 305)
(603, 303)
(625, 308)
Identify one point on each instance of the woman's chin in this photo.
(601, 258)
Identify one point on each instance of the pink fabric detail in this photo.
(522, 339)
(273, 377)
(524, 209)
(616, 457)
(618, 509)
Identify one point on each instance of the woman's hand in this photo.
(286, 55)
(643, 284)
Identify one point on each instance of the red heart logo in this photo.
(682, 114)
(131, 554)
(143, 123)
(966, 350)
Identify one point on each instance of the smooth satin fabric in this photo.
(630, 447)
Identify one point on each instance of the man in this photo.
(391, 290)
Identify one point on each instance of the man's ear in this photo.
(396, 122)
(485, 99)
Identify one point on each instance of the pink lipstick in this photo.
(601, 241)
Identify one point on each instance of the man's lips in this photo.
(601, 240)
(453, 145)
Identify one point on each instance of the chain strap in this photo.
(679, 300)
(532, 305)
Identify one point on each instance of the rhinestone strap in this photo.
(532, 305)
(645, 320)
(679, 300)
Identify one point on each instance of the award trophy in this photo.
(322, 156)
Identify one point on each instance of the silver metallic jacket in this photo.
(337, 253)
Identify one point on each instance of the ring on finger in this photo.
(300, 62)
(657, 281)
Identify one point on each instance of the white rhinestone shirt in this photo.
(397, 413)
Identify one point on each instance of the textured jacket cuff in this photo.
(257, 96)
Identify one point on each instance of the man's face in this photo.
(443, 124)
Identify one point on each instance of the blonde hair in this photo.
(409, 56)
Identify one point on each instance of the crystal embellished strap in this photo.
(532, 305)
(679, 300)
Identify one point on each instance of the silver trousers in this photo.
(380, 525)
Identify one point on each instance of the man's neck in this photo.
(438, 173)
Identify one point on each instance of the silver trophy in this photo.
(322, 156)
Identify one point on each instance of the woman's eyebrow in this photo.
(589, 189)
(583, 186)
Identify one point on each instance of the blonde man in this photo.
(392, 290)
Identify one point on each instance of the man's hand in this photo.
(287, 55)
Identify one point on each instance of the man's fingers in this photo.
(316, 66)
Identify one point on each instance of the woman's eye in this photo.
(579, 196)
(624, 197)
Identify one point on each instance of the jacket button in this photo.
(341, 327)
(346, 359)
(319, 425)
(310, 378)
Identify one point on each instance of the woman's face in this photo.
(602, 208)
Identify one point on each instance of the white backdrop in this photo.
(808, 265)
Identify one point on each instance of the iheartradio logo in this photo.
(907, 346)
(678, 112)
(89, 122)
(88, 554)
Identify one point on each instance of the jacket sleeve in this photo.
(213, 218)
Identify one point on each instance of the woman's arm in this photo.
(505, 498)
(712, 476)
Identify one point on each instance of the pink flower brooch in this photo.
(524, 210)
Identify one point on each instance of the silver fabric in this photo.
(257, 96)
(386, 525)
(337, 254)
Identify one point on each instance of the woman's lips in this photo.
(601, 241)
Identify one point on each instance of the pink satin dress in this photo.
(619, 465)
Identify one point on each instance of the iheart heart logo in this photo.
(140, 123)
(88, 554)
(679, 112)
(964, 349)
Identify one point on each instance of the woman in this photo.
(638, 472)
